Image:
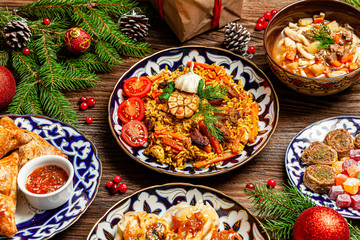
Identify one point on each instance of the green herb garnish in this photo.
(323, 35)
(208, 113)
(168, 90)
(211, 92)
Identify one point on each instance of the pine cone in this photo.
(236, 37)
(17, 33)
(135, 26)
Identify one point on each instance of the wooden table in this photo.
(296, 112)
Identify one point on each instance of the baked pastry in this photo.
(319, 153)
(8, 189)
(319, 178)
(341, 141)
(11, 139)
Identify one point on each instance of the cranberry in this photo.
(122, 188)
(251, 50)
(114, 188)
(109, 184)
(91, 102)
(46, 21)
(273, 12)
(259, 26)
(267, 16)
(249, 186)
(261, 20)
(26, 51)
(89, 120)
(117, 179)
(271, 183)
(265, 24)
(83, 105)
(83, 99)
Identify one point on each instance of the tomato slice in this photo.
(134, 133)
(131, 109)
(137, 86)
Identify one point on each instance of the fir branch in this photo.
(107, 53)
(4, 58)
(354, 231)
(355, 3)
(91, 62)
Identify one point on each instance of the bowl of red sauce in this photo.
(47, 181)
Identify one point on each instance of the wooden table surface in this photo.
(296, 112)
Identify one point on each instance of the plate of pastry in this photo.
(193, 111)
(322, 161)
(25, 137)
(178, 211)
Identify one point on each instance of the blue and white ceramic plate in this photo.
(317, 132)
(158, 199)
(35, 224)
(243, 70)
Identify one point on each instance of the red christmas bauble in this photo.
(7, 87)
(321, 223)
(77, 41)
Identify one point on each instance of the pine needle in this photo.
(355, 3)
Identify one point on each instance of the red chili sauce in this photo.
(46, 179)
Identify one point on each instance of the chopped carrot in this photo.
(201, 65)
(348, 57)
(336, 38)
(291, 54)
(235, 148)
(220, 157)
(225, 79)
(353, 66)
(318, 18)
(156, 93)
(213, 140)
(172, 143)
(208, 149)
(336, 63)
(159, 75)
(210, 75)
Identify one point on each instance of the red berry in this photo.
(265, 24)
(109, 184)
(83, 99)
(46, 21)
(259, 26)
(114, 188)
(26, 51)
(122, 187)
(267, 16)
(84, 105)
(249, 186)
(251, 50)
(117, 179)
(261, 20)
(91, 102)
(271, 183)
(273, 12)
(89, 120)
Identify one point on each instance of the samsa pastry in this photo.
(11, 139)
(142, 226)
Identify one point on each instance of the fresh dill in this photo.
(323, 35)
(210, 117)
(211, 92)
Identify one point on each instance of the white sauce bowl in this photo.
(54, 199)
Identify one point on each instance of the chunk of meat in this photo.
(320, 55)
(330, 58)
(150, 124)
(216, 101)
(232, 92)
(347, 35)
(338, 49)
(162, 84)
(198, 139)
(225, 131)
(233, 115)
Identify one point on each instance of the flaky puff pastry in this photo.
(8, 190)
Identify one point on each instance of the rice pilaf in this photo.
(171, 140)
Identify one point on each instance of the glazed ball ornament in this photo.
(77, 41)
(321, 223)
(7, 87)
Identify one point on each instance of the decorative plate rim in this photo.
(12, 116)
(207, 174)
(291, 143)
(178, 184)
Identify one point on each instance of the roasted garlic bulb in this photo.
(183, 104)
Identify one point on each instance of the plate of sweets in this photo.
(323, 161)
(193, 111)
(178, 211)
(24, 140)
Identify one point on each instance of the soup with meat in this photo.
(317, 48)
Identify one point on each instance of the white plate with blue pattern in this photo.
(157, 199)
(317, 132)
(36, 224)
(242, 70)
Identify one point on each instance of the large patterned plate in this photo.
(35, 224)
(317, 132)
(158, 199)
(252, 78)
